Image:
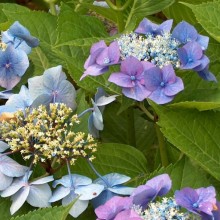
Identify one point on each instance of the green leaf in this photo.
(142, 8)
(180, 12)
(55, 213)
(208, 15)
(114, 157)
(194, 133)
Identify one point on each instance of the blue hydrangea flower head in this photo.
(5, 94)
(198, 201)
(17, 30)
(184, 33)
(36, 193)
(52, 87)
(147, 27)
(73, 187)
(113, 185)
(112, 207)
(101, 57)
(163, 84)
(13, 65)
(95, 121)
(131, 78)
(9, 168)
(157, 186)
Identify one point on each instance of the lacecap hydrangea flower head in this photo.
(148, 58)
(143, 203)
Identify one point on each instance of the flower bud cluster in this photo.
(165, 209)
(44, 134)
(160, 50)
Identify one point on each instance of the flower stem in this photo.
(162, 147)
(84, 112)
(148, 114)
(69, 172)
(52, 6)
(96, 172)
(131, 139)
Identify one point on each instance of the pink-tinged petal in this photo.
(5, 181)
(161, 183)
(174, 88)
(19, 199)
(121, 79)
(139, 92)
(159, 97)
(59, 193)
(128, 215)
(92, 58)
(114, 52)
(153, 78)
(39, 195)
(94, 70)
(113, 206)
(207, 194)
(100, 45)
(132, 66)
(147, 65)
(78, 207)
(168, 74)
(206, 207)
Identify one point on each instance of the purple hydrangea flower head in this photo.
(52, 87)
(112, 207)
(112, 183)
(13, 64)
(163, 84)
(36, 193)
(101, 57)
(76, 186)
(184, 32)
(157, 186)
(147, 27)
(17, 34)
(198, 201)
(9, 168)
(95, 121)
(131, 78)
(191, 57)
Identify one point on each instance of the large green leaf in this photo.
(179, 12)
(208, 15)
(114, 157)
(142, 8)
(195, 133)
(55, 213)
